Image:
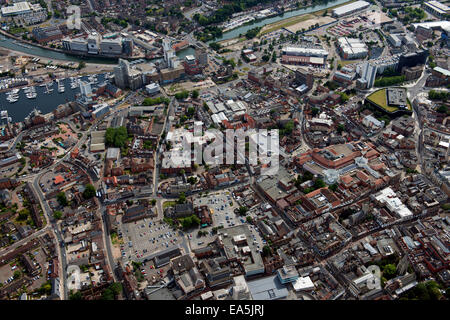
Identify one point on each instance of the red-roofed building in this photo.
(58, 179)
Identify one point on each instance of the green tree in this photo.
(182, 198)
(116, 137)
(89, 191)
(242, 210)
(266, 251)
(195, 94)
(75, 296)
(61, 198)
(23, 214)
(319, 183)
(57, 214)
(389, 271)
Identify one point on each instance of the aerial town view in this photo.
(228, 150)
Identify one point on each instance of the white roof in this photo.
(393, 203)
(439, 7)
(442, 70)
(305, 51)
(443, 25)
(350, 7)
(303, 283)
(16, 8)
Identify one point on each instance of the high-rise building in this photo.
(202, 57)
(85, 88)
(122, 73)
(369, 73)
(128, 46)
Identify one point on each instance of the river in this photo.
(244, 28)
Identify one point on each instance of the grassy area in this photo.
(169, 204)
(284, 23)
(347, 62)
(379, 98)
(115, 239)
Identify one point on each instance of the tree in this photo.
(89, 191)
(195, 94)
(319, 183)
(242, 210)
(75, 296)
(61, 198)
(182, 198)
(340, 127)
(23, 214)
(57, 214)
(389, 271)
(314, 111)
(17, 274)
(116, 137)
(116, 288)
(249, 219)
(153, 202)
(266, 251)
(333, 187)
(107, 294)
(182, 95)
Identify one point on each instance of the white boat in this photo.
(61, 87)
(31, 95)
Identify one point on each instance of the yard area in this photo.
(169, 204)
(284, 23)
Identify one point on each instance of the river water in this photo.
(243, 29)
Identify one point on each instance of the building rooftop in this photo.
(269, 288)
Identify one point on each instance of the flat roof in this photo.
(442, 70)
(268, 288)
(16, 8)
(439, 7)
(350, 7)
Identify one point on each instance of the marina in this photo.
(45, 97)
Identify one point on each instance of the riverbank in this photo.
(298, 19)
(317, 9)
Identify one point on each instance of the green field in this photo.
(379, 98)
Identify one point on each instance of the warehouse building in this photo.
(305, 52)
(350, 8)
(437, 9)
(350, 48)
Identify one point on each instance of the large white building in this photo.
(350, 8)
(24, 13)
(395, 206)
(18, 8)
(437, 9)
(351, 48)
(306, 52)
